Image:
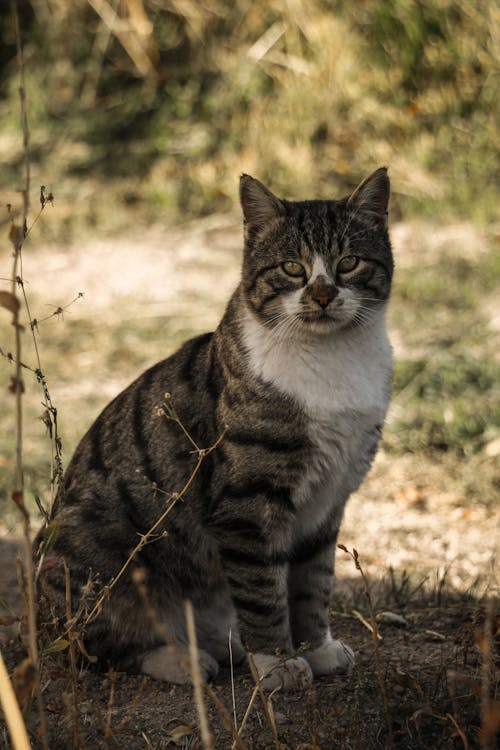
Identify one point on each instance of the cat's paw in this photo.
(219, 649)
(332, 657)
(172, 665)
(288, 674)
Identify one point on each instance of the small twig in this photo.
(375, 639)
(226, 717)
(265, 701)
(233, 696)
(72, 658)
(460, 731)
(11, 711)
(50, 415)
(111, 699)
(137, 699)
(174, 499)
(17, 236)
(364, 622)
(206, 735)
(255, 693)
(486, 666)
(60, 309)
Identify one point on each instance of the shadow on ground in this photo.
(430, 665)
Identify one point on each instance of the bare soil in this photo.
(431, 669)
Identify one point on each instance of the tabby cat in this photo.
(296, 378)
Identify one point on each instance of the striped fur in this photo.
(298, 374)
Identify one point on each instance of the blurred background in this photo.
(143, 114)
(160, 105)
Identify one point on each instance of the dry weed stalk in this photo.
(375, 639)
(490, 708)
(72, 659)
(10, 301)
(266, 702)
(173, 499)
(11, 710)
(109, 712)
(206, 735)
(459, 731)
(226, 718)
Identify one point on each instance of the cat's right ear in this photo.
(258, 204)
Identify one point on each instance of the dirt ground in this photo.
(430, 662)
(429, 556)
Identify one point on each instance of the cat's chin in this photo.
(322, 325)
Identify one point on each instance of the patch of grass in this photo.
(445, 404)
(308, 98)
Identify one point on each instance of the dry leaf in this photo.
(16, 236)
(17, 497)
(9, 620)
(9, 301)
(391, 618)
(60, 645)
(177, 734)
(13, 385)
(23, 682)
(50, 534)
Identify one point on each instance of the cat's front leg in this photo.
(310, 581)
(253, 553)
(259, 593)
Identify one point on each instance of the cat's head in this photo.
(314, 267)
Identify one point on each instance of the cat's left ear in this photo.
(258, 204)
(372, 195)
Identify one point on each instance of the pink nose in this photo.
(322, 299)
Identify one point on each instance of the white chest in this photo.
(330, 375)
(342, 383)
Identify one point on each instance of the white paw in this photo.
(170, 664)
(332, 657)
(287, 674)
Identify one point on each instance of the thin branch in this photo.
(145, 538)
(206, 735)
(375, 640)
(17, 236)
(11, 711)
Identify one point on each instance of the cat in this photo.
(292, 390)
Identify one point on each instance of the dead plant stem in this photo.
(17, 237)
(265, 704)
(175, 498)
(206, 735)
(11, 711)
(72, 659)
(375, 640)
(226, 716)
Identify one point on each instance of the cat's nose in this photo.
(324, 295)
(323, 300)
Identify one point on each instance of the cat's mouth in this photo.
(322, 320)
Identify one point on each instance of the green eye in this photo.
(292, 268)
(347, 264)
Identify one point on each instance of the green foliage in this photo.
(446, 393)
(453, 405)
(169, 110)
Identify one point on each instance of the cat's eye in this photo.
(292, 268)
(347, 264)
